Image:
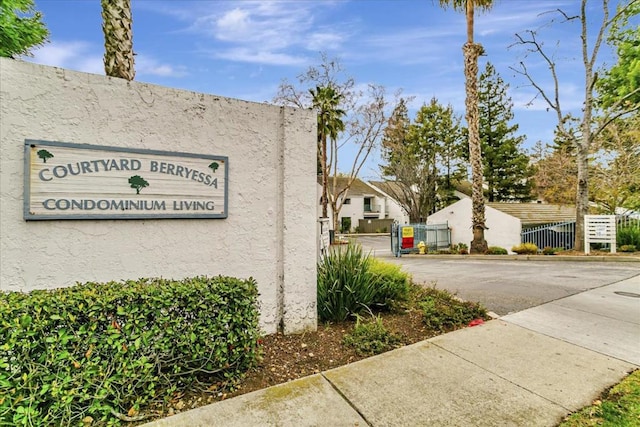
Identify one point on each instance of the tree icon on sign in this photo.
(44, 155)
(214, 166)
(138, 183)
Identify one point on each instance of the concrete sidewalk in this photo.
(527, 369)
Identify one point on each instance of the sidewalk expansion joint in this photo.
(604, 316)
(572, 343)
(346, 399)
(503, 378)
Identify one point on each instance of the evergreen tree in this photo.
(412, 184)
(506, 167)
(423, 157)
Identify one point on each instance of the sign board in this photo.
(81, 181)
(599, 229)
(407, 237)
(325, 237)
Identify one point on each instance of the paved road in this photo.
(506, 286)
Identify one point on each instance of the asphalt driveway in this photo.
(505, 286)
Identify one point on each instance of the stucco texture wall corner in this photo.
(271, 188)
(299, 218)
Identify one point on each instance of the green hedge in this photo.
(628, 235)
(97, 351)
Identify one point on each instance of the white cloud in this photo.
(267, 32)
(146, 65)
(234, 22)
(261, 57)
(75, 55)
(323, 41)
(84, 57)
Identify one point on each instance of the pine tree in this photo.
(423, 157)
(506, 167)
(412, 182)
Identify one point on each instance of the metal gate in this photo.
(405, 238)
(556, 235)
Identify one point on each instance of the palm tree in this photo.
(118, 38)
(326, 100)
(471, 52)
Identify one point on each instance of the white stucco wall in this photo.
(272, 208)
(503, 230)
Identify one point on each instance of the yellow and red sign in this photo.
(407, 237)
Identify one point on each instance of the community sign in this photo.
(80, 181)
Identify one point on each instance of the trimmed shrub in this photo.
(628, 248)
(548, 250)
(371, 337)
(496, 250)
(460, 248)
(525, 249)
(98, 351)
(628, 235)
(442, 311)
(391, 283)
(346, 286)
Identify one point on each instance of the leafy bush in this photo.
(496, 250)
(628, 248)
(97, 351)
(628, 235)
(442, 311)
(548, 250)
(371, 337)
(460, 248)
(346, 286)
(391, 283)
(525, 249)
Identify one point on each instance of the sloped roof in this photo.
(388, 187)
(464, 187)
(358, 187)
(537, 213)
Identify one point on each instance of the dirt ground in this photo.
(288, 357)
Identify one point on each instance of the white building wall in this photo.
(503, 230)
(396, 212)
(392, 208)
(271, 198)
(354, 210)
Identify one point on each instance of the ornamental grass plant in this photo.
(346, 285)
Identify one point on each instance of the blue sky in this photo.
(243, 49)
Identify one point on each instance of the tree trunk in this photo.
(334, 214)
(325, 177)
(118, 38)
(582, 195)
(471, 53)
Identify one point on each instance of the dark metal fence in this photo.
(434, 236)
(556, 235)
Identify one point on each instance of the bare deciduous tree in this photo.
(364, 122)
(589, 128)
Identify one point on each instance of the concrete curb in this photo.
(556, 258)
